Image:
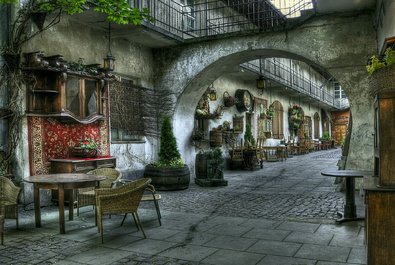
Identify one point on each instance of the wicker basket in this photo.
(382, 80)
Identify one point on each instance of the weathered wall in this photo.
(340, 44)
(75, 41)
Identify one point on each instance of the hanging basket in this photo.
(382, 80)
(229, 100)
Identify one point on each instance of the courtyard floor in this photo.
(282, 214)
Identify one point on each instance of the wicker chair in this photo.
(149, 195)
(9, 194)
(120, 200)
(86, 196)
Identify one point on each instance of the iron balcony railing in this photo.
(289, 78)
(209, 18)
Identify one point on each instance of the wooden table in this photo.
(60, 182)
(280, 151)
(350, 209)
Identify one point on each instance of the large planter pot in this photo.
(168, 178)
(382, 80)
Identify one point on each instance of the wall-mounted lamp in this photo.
(212, 94)
(109, 60)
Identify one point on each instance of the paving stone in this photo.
(264, 209)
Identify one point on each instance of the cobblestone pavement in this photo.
(256, 206)
(292, 189)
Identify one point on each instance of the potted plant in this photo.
(209, 168)
(249, 140)
(382, 72)
(85, 148)
(295, 118)
(169, 172)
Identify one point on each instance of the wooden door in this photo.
(340, 133)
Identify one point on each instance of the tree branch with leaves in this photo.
(11, 76)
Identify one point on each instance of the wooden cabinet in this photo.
(379, 223)
(384, 138)
(76, 165)
(380, 190)
(70, 96)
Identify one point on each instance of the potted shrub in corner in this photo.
(209, 168)
(169, 172)
(381, 70)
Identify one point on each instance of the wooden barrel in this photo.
(168, 178)
(215, 138)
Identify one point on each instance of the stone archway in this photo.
(327, 42)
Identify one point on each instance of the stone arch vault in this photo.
(340, 44)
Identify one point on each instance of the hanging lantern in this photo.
(109, 63)
(109, 60)
(213, 93)
(260, 83)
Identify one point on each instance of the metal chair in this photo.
(121, 200)
(9, 194)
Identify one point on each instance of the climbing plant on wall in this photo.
(20, 32)
(295, 118)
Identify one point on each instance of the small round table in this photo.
(61, 182)
(350, 209)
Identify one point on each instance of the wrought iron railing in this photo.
(289, 78)
(209, 18)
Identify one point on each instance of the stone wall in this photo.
(330, 42)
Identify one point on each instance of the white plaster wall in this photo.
(74, 41)
(385, 21)
(184, 120)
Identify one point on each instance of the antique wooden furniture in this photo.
(78, 165)
(58, 92)
(60, 182)
(9, 194)
(379, 222)
(86, 196)
(121, 200)
(350, 209)
(81, 165)
(380, 190)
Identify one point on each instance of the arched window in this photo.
(316, 125)
(278, 120)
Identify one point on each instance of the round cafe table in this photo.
(60, 182)
(350, 209)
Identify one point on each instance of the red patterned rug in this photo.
(49, 138)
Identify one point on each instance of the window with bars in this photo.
(126, 111)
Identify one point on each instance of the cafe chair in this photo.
(86, 196)
(120, 200)
(9, 194)
(237, 158)
(150, 194)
